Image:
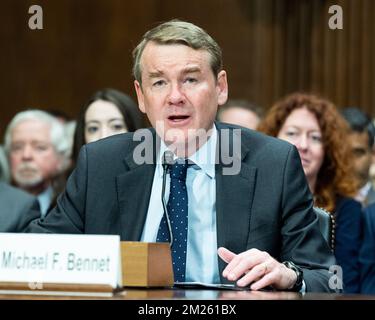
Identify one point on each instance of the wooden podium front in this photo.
(146, 264)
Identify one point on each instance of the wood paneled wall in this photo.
(271, 48)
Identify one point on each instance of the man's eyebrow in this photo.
(155, 74)
(191, 70)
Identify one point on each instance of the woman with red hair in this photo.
(316, 128)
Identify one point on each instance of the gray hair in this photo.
(4, 166)
(59, 139)
(179, 32)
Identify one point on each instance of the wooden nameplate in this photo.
(56, 289)
(146, 264)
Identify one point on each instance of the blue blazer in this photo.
(367, 253)
(348, 241)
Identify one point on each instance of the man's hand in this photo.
(257, 268)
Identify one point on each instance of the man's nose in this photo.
(27, 152)
(176, 95)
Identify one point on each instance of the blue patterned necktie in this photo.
(178, 214)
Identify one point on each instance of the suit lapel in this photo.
(234, 197)
(133, 194)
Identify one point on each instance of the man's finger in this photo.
(263, 282)
(246, 264)
(231, 258)
(225, 254)
(253, 275)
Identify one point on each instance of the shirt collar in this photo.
(44, 199)
(203, 158)
(363, 192)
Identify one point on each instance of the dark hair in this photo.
(243, 104)
(127, 107)
(359, 122)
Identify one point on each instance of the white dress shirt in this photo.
(201, 257)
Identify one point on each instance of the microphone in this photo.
(167, 160)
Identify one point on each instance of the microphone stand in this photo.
(167, 158)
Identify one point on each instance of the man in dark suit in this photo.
(361, 142)
(367, 252)
(15, 209)
(256, 208)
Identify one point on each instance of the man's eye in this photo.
(190, 80)
(158, 83)
(41, 147)
(16, 148)
(359, 152)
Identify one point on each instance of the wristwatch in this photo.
(298, 284)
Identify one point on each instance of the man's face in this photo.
(240, 117)
(179, 91)
(361, 150)
(33, 159)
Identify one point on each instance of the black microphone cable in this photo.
(166, 162)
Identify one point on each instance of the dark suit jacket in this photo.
(266, 206)
(367, 252)
(348, 240)
(16, 209)
(370, 199)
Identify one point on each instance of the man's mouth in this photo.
(27, 173)
(178, 118)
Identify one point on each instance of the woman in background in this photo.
(107, 112)
(316, 128)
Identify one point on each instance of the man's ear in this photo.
(140, 97)
(222, 88)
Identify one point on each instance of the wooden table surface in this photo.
(181, 294)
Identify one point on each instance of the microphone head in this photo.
(167, 159)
